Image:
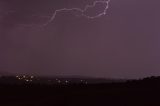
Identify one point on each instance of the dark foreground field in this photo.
(133, 93)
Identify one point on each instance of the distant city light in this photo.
(59, 81)
(32, 76)
(67, 81)
(24, 76)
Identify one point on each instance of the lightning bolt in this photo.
(82, 11)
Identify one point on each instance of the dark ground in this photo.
(144, 92)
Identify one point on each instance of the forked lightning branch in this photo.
(82, 11)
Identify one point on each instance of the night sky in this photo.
(124, 43)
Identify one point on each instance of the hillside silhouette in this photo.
(142, 92)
